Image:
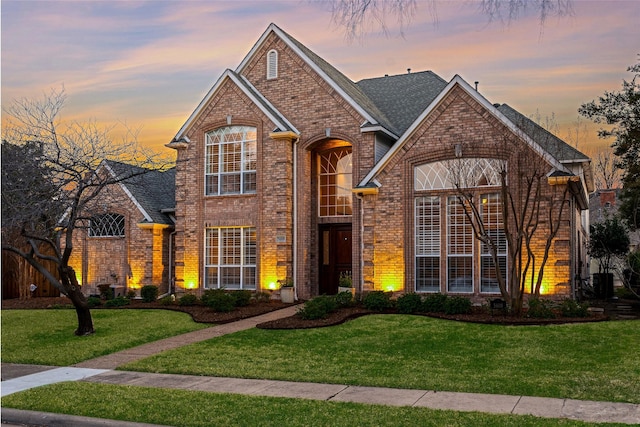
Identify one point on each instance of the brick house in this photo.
(287, 169)
(126, 243)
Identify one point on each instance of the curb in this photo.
(46, 419)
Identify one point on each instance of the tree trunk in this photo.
(74, 292)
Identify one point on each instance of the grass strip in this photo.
(195, 409)
(46, 337)
(588, 361)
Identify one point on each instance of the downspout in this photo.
(171, 281)
(294, 142)
(361, 243)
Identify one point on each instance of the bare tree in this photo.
(358, 16)
(576, 133)
(530, 212)
(55, 174)
(606, 174)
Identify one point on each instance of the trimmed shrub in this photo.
(166, 300)
(434, 303)
(571, 308)
(117, 302)
(242, 298)
(94, 302)
(344, 299)
(219, 300)
(540, 309)
(149, 293)
(409, 303)
(187, 300)
(318, 307)
(105, 291)
(377, 300)
(457, 305)
(131, 294)
(263, 296)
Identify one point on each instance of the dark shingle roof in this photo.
(348, 86)
(153, 190)
(402, 98)
(556, 147)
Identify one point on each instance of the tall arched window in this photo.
(334, 182)
(230, 158)
(447, 256)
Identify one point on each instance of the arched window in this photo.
(334, 182)
(448, 258)
(230, 161)
(272, 64)
(107, 225)
(465, 173)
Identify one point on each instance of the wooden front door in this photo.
(335, 255)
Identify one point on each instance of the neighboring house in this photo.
(604, 204)
(127, 240)
(287, 169)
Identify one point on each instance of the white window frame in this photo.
(272, 64)
(427, 245)
(230, 258)
(223, 164)
(491, 212)
(461, 246)
(335, 198)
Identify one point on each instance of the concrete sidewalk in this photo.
(17, 377)
(590, 411)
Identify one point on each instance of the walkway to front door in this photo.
(335, 255)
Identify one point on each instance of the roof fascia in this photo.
(228, 74)
(266, 101)
(127, 192)
(458, 81)
(274, 28)
(378, 128)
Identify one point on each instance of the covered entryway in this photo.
(335, 256)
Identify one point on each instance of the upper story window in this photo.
(272, 64)
(335, 182)
(465, 173)
(107, 225)
(230, 158)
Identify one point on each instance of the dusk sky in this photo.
(148, 64)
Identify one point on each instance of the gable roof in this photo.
(251, 92)
(151, 191)
(403, 97)
(458, 81)
(334, 78)
(559, 149)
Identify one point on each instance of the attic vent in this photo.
(272, 64)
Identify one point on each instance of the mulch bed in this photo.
(204, 314)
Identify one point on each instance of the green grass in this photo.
(590, 361)
(191, 408)
(46, 337)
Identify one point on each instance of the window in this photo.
(230, 258)
(230, 161)
(470, 266)
(334, 182)
(107, 225)
(491, 211)
(272, 64)
(427, 213)
(459, 248)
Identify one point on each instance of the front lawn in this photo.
(199, 409)
(45, 337)
(589, 361)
